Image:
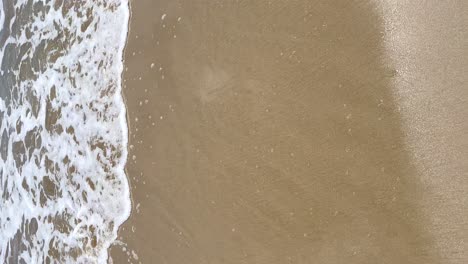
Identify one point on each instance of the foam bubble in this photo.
(63, 130)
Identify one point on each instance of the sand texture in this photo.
(325, 131)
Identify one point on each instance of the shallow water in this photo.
(63, 130)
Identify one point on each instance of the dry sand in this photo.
(272, 132)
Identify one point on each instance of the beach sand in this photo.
(271, 132)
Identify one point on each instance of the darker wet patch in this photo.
(4, 145)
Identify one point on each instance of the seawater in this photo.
(63, 130)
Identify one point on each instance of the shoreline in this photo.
(125, 129)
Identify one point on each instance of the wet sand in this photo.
(272, 132)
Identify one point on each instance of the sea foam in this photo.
(63, 130)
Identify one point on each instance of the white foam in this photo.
(2, 17)
(62, 180)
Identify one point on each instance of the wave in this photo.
(63, 130)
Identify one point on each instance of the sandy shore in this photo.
(270, 132)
